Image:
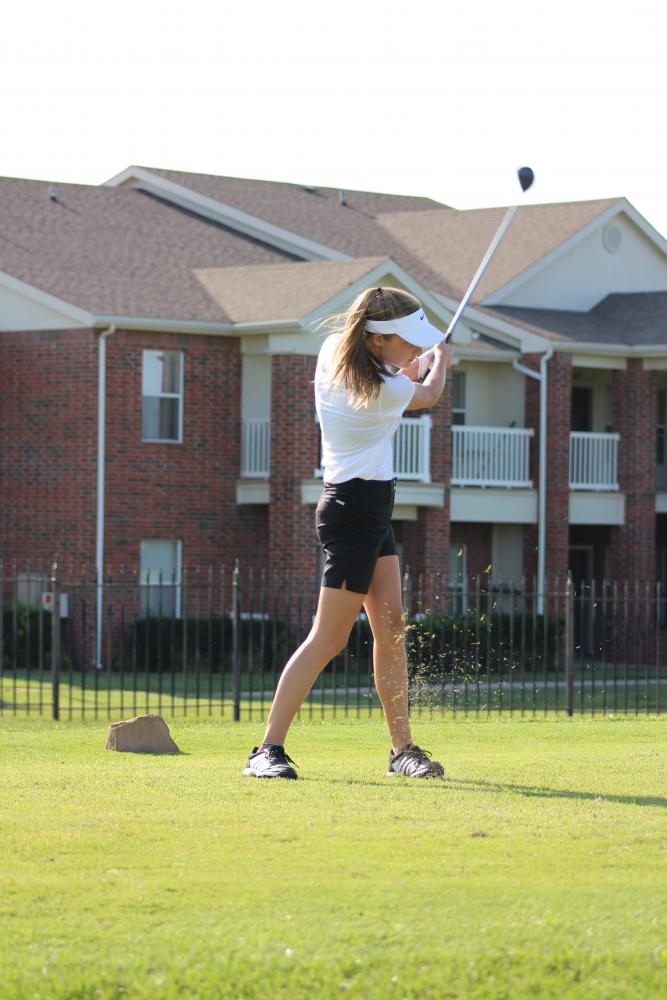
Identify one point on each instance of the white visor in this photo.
(414, 328)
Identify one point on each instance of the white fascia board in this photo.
(161, 325)
(267, 326)
(465, 353)
(218, 211)
(496, 297)
(646, 227)
(342, 299)
(583, 348)
(595, 361)
(79, 317)
(655, 364)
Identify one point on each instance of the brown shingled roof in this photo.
(440, 246)
(355, 229)
(280, 291)
(117, 251)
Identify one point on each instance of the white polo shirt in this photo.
(358, 443)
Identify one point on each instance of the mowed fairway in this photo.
(538, 868)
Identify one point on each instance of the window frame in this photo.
(163, 395)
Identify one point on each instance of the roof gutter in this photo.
(542, 487)
(101, 458)
(160, 325)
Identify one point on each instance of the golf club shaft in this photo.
(481, 269)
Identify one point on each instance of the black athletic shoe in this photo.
(413, 762)
(269, 762)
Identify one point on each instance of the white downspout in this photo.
(542, 486)
(101, 427)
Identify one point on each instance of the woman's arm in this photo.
(429, 393)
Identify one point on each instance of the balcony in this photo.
(593, 461)
(412, 446)
(491, 456)
(255, 449)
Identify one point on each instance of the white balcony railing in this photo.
(255, 448)
(491, 456)
(593, 461)
(412, 449)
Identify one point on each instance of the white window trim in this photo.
(166, 395)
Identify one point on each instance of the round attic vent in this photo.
(612, 238)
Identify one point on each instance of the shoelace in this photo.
(422, 756)
(278, 755)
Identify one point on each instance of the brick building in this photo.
(158, 337)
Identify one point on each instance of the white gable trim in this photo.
(622, 206)
(78, 317)
(218, 211)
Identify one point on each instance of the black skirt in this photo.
(353, 525)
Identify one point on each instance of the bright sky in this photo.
(431, 97)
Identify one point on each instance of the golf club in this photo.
(526, 178)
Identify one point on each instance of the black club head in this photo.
(526, 177)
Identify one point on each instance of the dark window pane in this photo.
(171, 373)
(159, 419)
(169, 419)
(158, 600)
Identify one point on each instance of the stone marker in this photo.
(144, 734)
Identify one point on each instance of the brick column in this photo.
(634, 406)
(294, 452)
(426, 541)
(559, 403)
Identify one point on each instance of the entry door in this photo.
(581, 567)
(582, 408)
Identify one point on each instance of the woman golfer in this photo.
(366, 377)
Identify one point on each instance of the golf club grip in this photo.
(507, 218)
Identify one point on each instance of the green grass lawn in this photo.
(538, 868)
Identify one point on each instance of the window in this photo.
(459, 398)
(160, 581)
(162, 396)
(31, 586)
(458, 576)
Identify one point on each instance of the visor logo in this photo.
(421, 315)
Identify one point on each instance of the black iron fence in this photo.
(214, 642)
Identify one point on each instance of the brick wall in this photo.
(184, 491)
(426, 541)
(634, 414)
(48, 433)
(292, 544)
(48, 453)
(559, 403)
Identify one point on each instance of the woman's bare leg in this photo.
(384, 607)
(336, 614)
